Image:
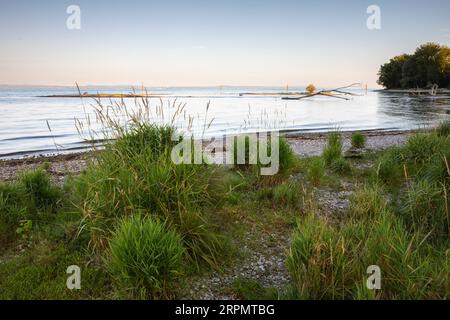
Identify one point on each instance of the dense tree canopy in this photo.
(429, 65)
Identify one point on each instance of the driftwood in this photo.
(328, 93)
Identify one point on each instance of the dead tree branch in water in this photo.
(328, 93)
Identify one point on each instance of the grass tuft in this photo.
(145, 256)
(358, 140)
(333, 148)
(316, 171)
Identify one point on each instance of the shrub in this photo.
(316, 170)
(333, 148)
(358, 140)
(311, 88)
(145, 256)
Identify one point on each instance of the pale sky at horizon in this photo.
(199, 42)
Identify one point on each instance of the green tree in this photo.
(390, 74)
(429, 65)
(428, 68)
(410, 74)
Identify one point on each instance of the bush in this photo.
(358, 140)
(311, 88)
(333, 148)
(145, 256)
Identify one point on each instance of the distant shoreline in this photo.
(105, 95)
(414, 91)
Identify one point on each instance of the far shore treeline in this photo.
(428, 66)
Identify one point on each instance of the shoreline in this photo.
(415, 91)
(303, 144)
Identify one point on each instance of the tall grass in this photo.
(249, 156)
(367, 204)
(329, 262)
(332, 154)
(425, 210)
(389, 168)
(289, 194)
(333, 148)
(443, 130)
(421, 171)
(316, 170)
(145, 256)
(136, 174)
(31, 198)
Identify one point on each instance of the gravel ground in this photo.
(264, 264)
(312, 144)
(59, 166)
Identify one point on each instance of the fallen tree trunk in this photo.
(328, 93)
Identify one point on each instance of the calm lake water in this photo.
(25, 117)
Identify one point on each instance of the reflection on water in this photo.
(24, 116)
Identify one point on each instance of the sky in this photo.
(209, 43)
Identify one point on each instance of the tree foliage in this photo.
(311, 88)
(429, 65)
